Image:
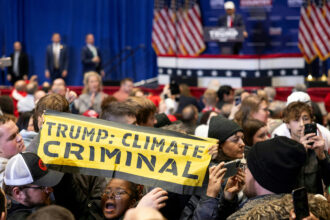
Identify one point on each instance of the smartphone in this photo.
(232, 168)
(300, 203)
(310, 128)
(237, 100)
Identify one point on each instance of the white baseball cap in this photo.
(28, 168)
(298, 97)
(229, 5)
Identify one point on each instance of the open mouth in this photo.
(109, 207)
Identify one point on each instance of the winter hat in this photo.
(222, 128)
(276, 163)
(28, 168)
(162, 120)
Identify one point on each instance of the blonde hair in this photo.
(210, 96)
(86, 79)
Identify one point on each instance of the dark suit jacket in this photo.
(237, 22)
(86, 59)
(64, 59)
(23, 65)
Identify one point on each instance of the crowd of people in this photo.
(266, 136)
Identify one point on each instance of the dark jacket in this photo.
(63, 60)
(86, 59)
(314, 171)
(23, 67)
(208, 208)
(17, 211)
(237, 22)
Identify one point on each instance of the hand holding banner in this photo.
(149, 156)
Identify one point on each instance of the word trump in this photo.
(98, 147)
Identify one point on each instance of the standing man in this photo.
(231, 19)
(91, 56)
(57, 59)
(20, 64)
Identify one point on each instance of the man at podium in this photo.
(231, 20)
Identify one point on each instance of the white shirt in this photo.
(15, 64)
(283, 130)
(56, 52)
(93, 49)
(26, 104)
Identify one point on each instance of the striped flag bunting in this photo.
(177, 28)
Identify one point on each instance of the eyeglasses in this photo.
(118, 194)
(33, 187)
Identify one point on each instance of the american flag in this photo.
(314, 31)
(177, 28)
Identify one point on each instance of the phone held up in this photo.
(310, 128)
(232, 168)
(300, 203)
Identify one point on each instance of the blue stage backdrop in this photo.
(272, 25)
(115, 24)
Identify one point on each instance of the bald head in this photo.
(143, 213)
(20, 85)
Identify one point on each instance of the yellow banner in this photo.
(148, 156)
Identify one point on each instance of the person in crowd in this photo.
(189, 118)
(202, 129)
(18, 93)
(119, 112)
(25, 121)
(230, 136)
(210, 100)
(91, 57)
(126, 87)
(27, 104)
(11, 143)
(317, 167)
(252, 106)
(28, 184)
(7, 106)
(282, 208)
(92, 95)
(57, 59)
(230, 20)
(162, 120)
(254, 132)
(143, 213)
(45, 87)
(283, 130)
(38, 95)
(145, 110)
(275, 174)
(51, 212)
(20, 64)
(225, 95)
(26, 128)
(137, 92)
(83, 190)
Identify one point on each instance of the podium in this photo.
(227, 37)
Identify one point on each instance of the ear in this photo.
(17, 194)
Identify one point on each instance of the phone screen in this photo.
(300, 203)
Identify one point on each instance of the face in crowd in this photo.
(262, 113)
(11, 142)
(296, 127)
(127, 86)
(261, 135)
(117, 198)
(33, 195)
(233, 147)
(93, 84)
